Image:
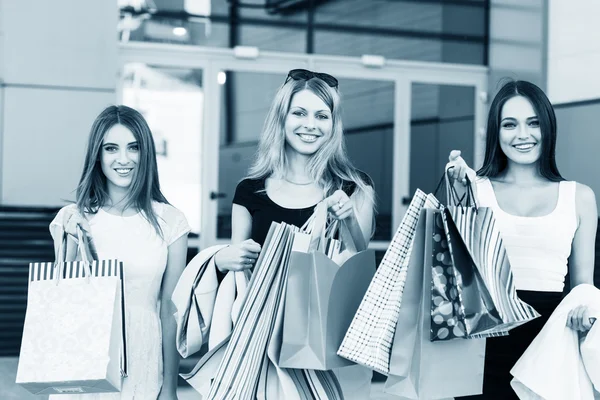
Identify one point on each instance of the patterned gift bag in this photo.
(74, 336)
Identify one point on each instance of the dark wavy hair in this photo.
(495, 160)
(92, 193)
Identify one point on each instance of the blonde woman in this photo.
(301, 161)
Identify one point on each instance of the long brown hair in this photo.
(92, 193)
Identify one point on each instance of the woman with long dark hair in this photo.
(546, 222)
(126, 217)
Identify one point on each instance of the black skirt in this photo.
(502, 353)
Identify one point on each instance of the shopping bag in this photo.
(419, 368)
(369, 337)
(590, 353)
(554, 365)
(74, 331)
(461, 304)
(480, 234)
(322, 297)
(245, 359)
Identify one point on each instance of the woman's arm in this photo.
(241, 224)
(177, 255)
(458, 170)
(243, 251)
(581, 261)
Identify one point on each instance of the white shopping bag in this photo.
(73, 336)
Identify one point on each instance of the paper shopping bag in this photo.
(321, 300)
(480, 234)
(419, 368)
(369, 338)
(461, 304)
(73, 336)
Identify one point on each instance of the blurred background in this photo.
(416, 77)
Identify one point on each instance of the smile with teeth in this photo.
(524, 146)
(123, 171)
(308, 137)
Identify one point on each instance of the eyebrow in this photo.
(114, 144)
(303, 109)
(514, 119)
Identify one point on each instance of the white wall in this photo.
(578, 144)
(58, 67)
(573, 50)
(573, 68)
(517, 42)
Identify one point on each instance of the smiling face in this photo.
(520, 134)
(308, 123)
(119, 157)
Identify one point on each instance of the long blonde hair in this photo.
(330, 165)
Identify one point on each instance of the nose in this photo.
(309, 123)
(523, 132)
(123, 158)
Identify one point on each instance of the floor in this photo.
(12, 391)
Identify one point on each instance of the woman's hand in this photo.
(238, 257)
(580, 319)
(73, 218)
(458, 169)
(339, 205)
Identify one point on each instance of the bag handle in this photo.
(351, 233)
(82, 248)
(319, 225)
(452, 197)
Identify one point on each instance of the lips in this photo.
(524, 147)
(123, 171)
(308, 137)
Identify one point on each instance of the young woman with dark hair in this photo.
(545, 221)
(125, 215)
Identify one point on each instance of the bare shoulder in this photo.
(585, 200)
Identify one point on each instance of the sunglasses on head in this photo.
(304, 74)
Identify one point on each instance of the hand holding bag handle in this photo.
(82, 248)
(351, 234)
(317, 227)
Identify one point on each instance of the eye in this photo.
(534, 123)
(134, 147)
(110, 148)
(323, 116)
(298, 113)
(509, 125)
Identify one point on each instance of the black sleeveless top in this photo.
(250, 193)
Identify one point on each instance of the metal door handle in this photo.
(217, 195)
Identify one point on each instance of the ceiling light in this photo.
(179, 31)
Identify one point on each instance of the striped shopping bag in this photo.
(369, 338)
(74, 331)
(479, 232)
(247, 369)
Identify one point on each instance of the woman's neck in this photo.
(522, 175)
(297, 167)
(117, 198)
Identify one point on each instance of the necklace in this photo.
(296, 183)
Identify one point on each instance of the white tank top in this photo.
(537, 247)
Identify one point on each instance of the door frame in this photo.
(244, 59)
